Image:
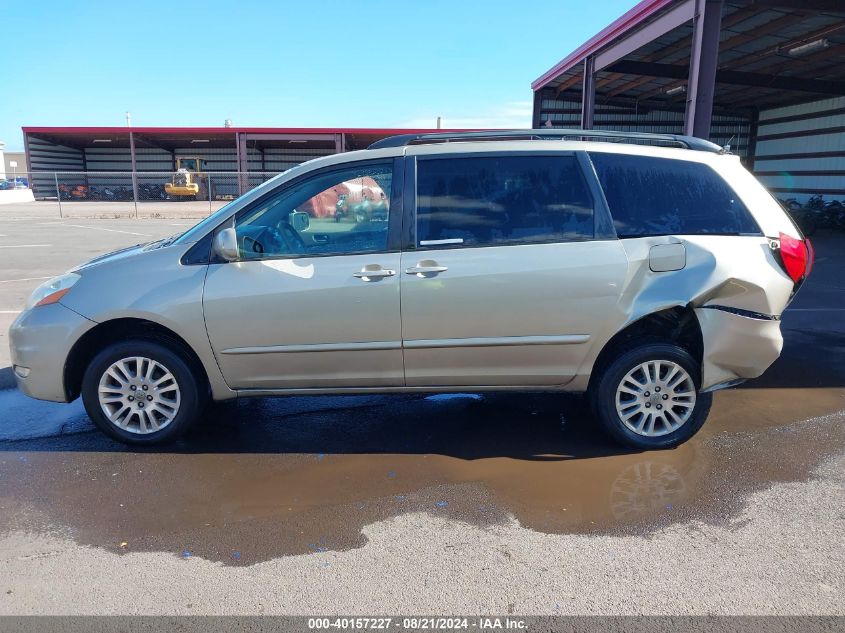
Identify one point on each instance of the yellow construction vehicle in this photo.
(189, 180)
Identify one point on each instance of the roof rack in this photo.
(672, 140)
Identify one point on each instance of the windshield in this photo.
(195, 233)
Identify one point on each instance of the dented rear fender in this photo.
(735, 286)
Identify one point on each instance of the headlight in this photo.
(53, 290)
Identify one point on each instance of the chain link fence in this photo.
(131, 194)
(194, 195)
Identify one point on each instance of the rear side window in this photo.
(491, 200)
(656, 196)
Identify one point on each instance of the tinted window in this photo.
(339, 212)
(502, 199)
(654, 196)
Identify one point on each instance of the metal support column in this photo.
(751, 147)
(134, 171)
(243, 164)
(704, 59)
(58, 193)
(28, 158)
(588, 94)
(538, 103)
(338, 143)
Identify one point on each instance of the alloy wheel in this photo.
(655, 398)
(139, 395)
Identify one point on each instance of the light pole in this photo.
(14, 165)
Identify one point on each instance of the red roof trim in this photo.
(632, 18)
(230, 130)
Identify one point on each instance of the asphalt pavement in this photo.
(467, 503)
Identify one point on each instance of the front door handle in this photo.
(373, 272)
(426, 267)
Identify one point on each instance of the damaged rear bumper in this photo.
(738, 345)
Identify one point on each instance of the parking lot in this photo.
(467, 503)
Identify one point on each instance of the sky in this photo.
(309, 63)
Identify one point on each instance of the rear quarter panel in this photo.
(727, 271)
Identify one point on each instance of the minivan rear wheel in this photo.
(141, 392)
(648, 397)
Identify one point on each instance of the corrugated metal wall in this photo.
(106, 165)
(279, 159)
(47, 156)
(733, 129)
(801, 150)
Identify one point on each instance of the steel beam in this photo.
(537, 109)
(243, 162)
(803, 5)
(681, 43)
(704, 59)
(588, 94)
(568, 83)
(672, 19)
(288, 137)
(134, 171)
(737, 40)
(770, 79)
(752, 140)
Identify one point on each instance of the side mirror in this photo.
(226, 245)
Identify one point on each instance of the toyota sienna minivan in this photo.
(646, 271)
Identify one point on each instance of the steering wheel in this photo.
(292, 239)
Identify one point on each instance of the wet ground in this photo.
(265, 478)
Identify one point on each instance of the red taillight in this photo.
(797, 257)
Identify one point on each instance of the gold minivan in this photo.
(647, 272)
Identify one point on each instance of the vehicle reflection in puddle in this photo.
(644, 489)
(266, 478)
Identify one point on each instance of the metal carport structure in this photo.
(717, 69)
(128, 158)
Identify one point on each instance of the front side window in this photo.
(334, 213)
(492, 200)
(660, 196)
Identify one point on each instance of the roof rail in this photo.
(674, 140)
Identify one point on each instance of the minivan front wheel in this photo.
(141, 392)
(648, 397)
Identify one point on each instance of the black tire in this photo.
(603, 396)
(193, 395)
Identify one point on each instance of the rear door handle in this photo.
(426, 267)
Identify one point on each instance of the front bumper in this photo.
(181, 190)
(40, 340)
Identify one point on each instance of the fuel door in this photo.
(666, 257)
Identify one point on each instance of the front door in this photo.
(508, 283)
(314, 300)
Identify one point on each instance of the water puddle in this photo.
(267, 478)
